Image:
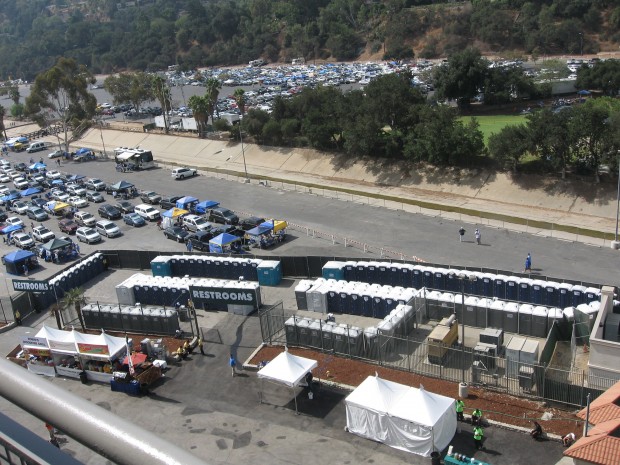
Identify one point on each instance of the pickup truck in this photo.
(166, 203)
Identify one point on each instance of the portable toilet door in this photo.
(525, 285)
(539, 321)
(417, 276)
(446, 305)
(355, 303)
(384, 273)
(366, 303)
(290, 330)
(525, 319)
(390, 301)
(333, 270)
(579, 296)
(350, 271)
(137, 319)
(537, 292)
(488, 284)
(379, 310)
(482, 312)
(303, 332)
(326, 334)
(469, 317)
(394, 275)
(472, 283)
(552, 294)
(433, 305)
(406, 275)
(373, 273)
(333, 300)
(355, 338)
(316, 338)
(565, 295)
(510, 321)
(385, 330)
(512, 287)
(344, 302)
(496, 314)
(592, 294)
(499, 286)
(339, 340)
(439, 279)
(427, 276)
(362, 272)
(453, 284)
(371, 343)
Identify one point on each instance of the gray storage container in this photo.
(529, 352)
(291, 331)
(494, 337)
(513, 353)
(316, 338)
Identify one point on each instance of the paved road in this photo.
(432, 239)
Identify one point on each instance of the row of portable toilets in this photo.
(532, 291)
(331, 296)
(351, 340)
(206, 266)
(171, 292)
(77, 275)
(151, 320)
(512, 317)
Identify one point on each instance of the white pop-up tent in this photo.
(400, 416)
(287, 369)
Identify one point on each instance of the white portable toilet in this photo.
(525, 319)
(554, 315)
(569, 314)
(539, 321)
(496, 314)
(469, 316)
(482, 312)
(446, 302)
(510, 321)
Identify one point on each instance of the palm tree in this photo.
(14, 94)
(75, 297)
(200, 109)
(161, 91)
(239, 97)
(213, 86)
(2, 115)
(55, 312)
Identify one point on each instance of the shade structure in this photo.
(37, 166)
(287, 369)
(205, 205)
(121, 185)
(57, 182)
(30, 191)
(14, 196)
(55, 244)
(83, 151)
(11, 228)
(18, 256)
(76, 177)
(258, 231)
(276, 225)
(136, 359)
(400, 416)
(183, 202)
(174, 213)
(55, 206)
(584, 92)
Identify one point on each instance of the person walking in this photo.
(476, 417)
(201, 345)
(460, 406)
(233, 364)
(189, 246)
(528, 263)
(477, 236)
(478, 435)
(461, 234)
(568, 439)
(18, 318)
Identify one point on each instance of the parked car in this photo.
(200, 240)
(38, 202)
(166, 203)
(109, 212)
(14, 221)
(107, 228)
(150, 197)
(36, 147)
(147, 212)
(42, 234)
(85, 219)
(125, 207)
(53, 174)
(3, 216)
(250, 223)
(22, 240)
(223, 215)
(77, 202)
(20, 207)
(4, 178)
(76, 189)
(182, 173)
(94, 197)
(56, 154)
(36, 213)
(67, 226)
(95, 184)
(20, 183)
(88, 235)
(176, 233)
(195, 223)
(133, 219)
(20, 166)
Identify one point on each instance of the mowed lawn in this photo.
(493, 124)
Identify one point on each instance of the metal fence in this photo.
(403, 350)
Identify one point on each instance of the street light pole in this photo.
(617, 202)
(461, 322)
(245, 168)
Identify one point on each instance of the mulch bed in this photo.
(495, 406)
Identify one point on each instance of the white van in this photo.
(36, 147)
(196, 223)
(147, 212)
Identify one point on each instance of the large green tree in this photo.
(161, 91)
(552, 137)
(212, 94)
(510, 145)
(200, 109)
(603, 76)
(131, 88)
(462, 77)
(62, 93)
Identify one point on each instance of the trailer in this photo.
(441, 339)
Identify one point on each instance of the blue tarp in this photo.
(203, 206)
(584, 92)
(183, 202)
(38, 166)
(30, 191)
(76, 177)
(218, 244)
(83, 151)
(18, 256)
(56, 182)
(267, 224)
(10, 197)
(11, 228)
(259, 230)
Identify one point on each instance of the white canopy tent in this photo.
(400, 416)
(287, 369)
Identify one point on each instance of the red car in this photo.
(68, 226)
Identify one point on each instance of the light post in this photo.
(615, 245)
(462, 277)
(245, 168)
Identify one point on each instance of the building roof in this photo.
(601, 446)
(606, 407)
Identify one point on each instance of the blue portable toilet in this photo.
(592, 294)
(537, 292)
(333, 270)
(472, 284)
(227, 270)
(453, 284)
(333, 300)
(487, 281)
(356, 303)
(344, 303)
(350, 271)
(269, 273)
(417, 276)
(427, 276)
(383, 274)
(525, 285)
(512, 287)
(439, 279)
(160, 266)
(362, 272)
(552, 294)
(565, 295)
(372, 272)
(366, 303)
(395, 278)
(406, 275)
(499, 286)
(579, 295)
(379, 309)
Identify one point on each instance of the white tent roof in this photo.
(376, 394)
(125, 156)
(115, 345)
(287, 369)
(429, 407)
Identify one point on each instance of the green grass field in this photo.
(493, 124)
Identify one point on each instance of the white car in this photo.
(107, 228)
(95, 184)
(14, 174)
(76, 189)
(4, 178)
(20, 183)
(78, 202)
(88, 235)
(53, 174)
(4, 190)
(19, 207)
(184, 172)
(22, 240)
(42, 234)
(14, 221)
(55, 154)
(60, 196)
(85, 219)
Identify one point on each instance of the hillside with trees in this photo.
(114, 35)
